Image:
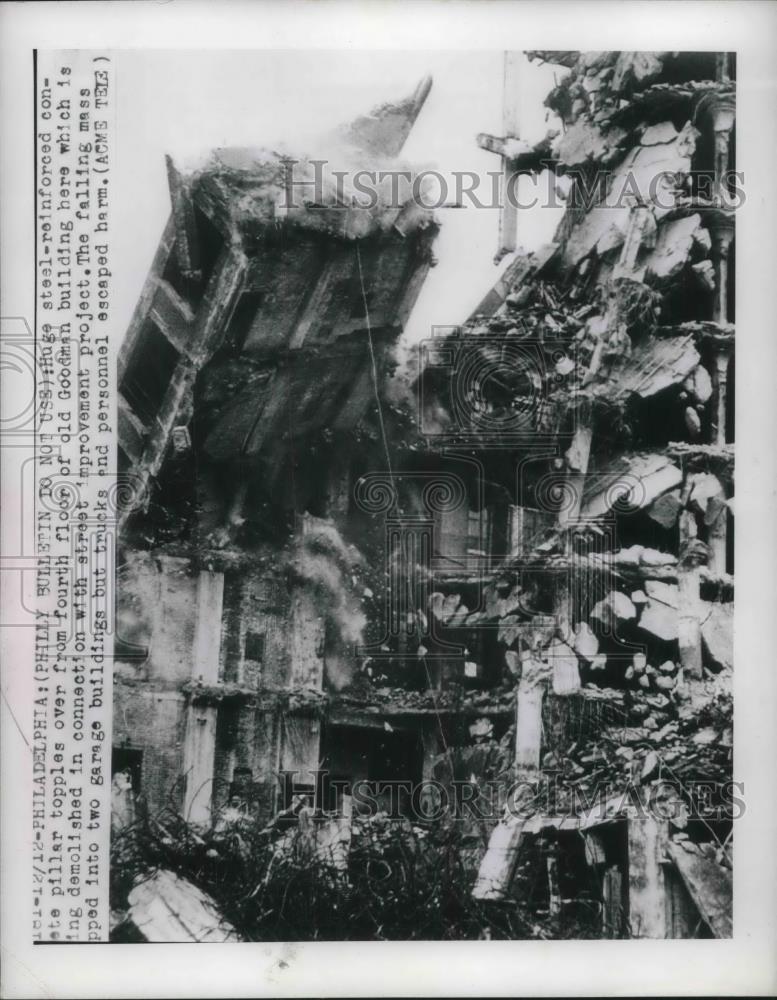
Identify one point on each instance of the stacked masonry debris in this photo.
(537, 576)
(634, 312)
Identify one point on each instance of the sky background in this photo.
(186, 102)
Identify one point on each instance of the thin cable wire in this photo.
(373, 363)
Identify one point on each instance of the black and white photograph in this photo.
(425, 577)
(387, 414)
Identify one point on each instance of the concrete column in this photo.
(207, 636)
(199, 751)
(199, 754)
(528, 728)
(647, 892)
(720, 386)
(688, 604)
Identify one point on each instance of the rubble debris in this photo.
(498, 864)
(166, 908)
(613, 608)
(717, 635)
(567, 634)
(708, 883)
(630, 482)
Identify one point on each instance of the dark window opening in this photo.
(243, 318)
(130, 761)
(254, 646)
(373, 763)
(148, 373)
(211, 244)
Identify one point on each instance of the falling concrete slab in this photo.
(169, 909)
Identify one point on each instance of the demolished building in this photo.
(518, 574)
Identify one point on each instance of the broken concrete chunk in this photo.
(509, 630)
(635, 67)
(699, 384)
(652, 557)
(705, 486)
(639, 597)
(666, 509)
(633, 481)
(513, 661)
(692, 423)
(673, 247)
(614, 607)
(586, 644)
(660, 621)
(709, 885)
(498, 864)
(566, 673)
(169, 909)
(667, 593)
(705, 274)
(717, 635)
(450, 606)
(655, 135)
(649, 765)
(584, 141)
(436, 602)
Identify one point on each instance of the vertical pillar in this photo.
(647, 892)
(688, 602)
(207, 635)
(528, 727)
(199, 752)
(612, 902)
(720, 223)
(720, 388)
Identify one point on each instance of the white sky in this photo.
(185, 103)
